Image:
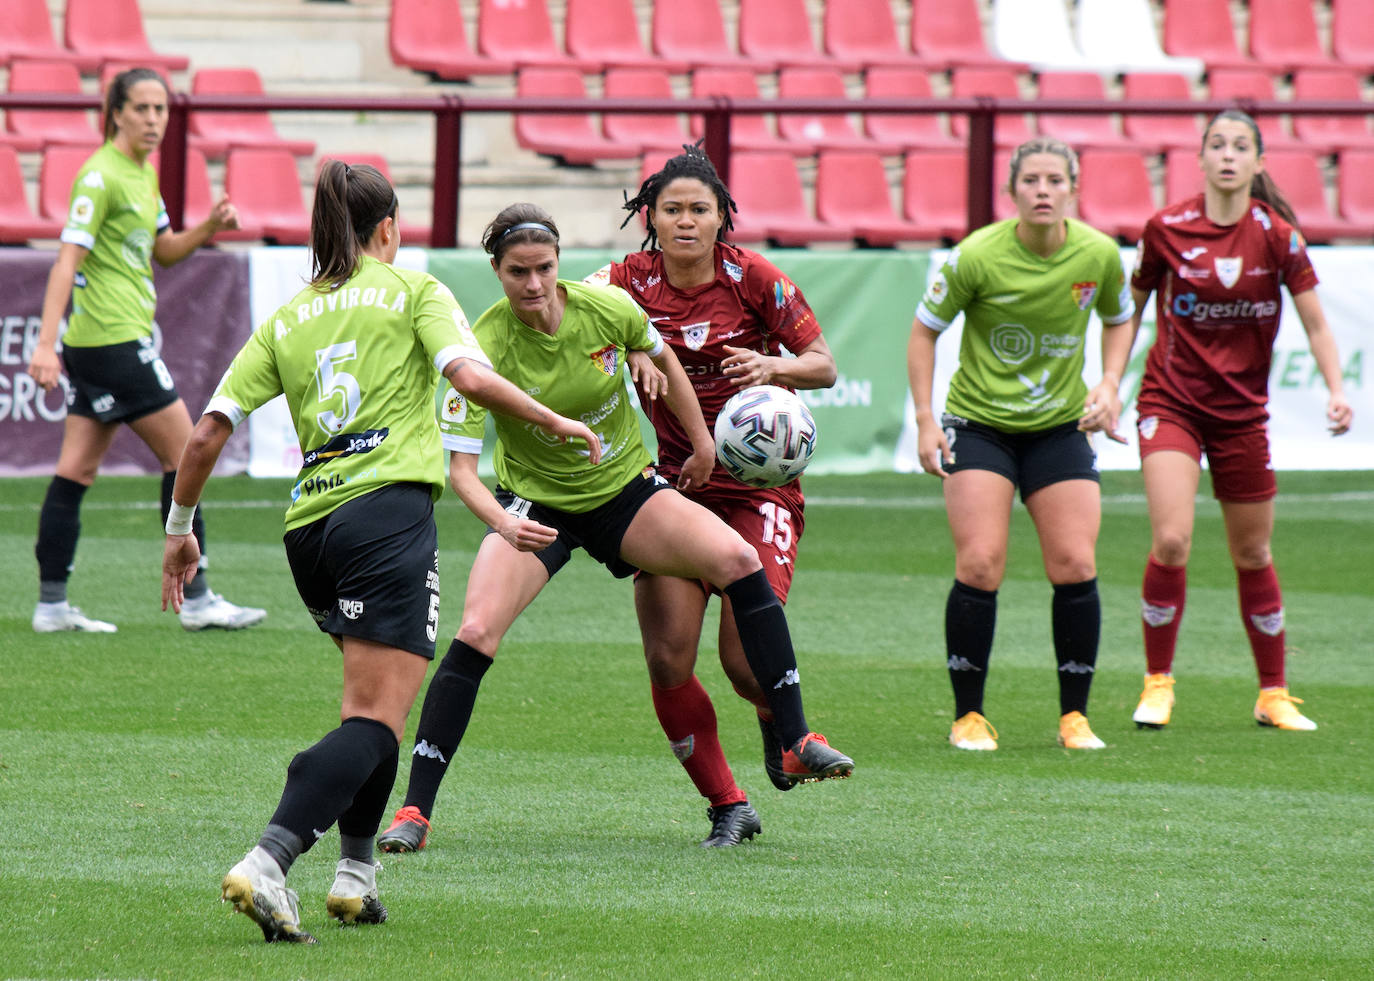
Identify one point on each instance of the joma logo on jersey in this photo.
(1083, 294)
(351, 608)
(607, 359)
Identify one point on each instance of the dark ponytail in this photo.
(118, 93)
(350, 202)
(1262, 186)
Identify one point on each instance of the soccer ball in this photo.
(765, 436)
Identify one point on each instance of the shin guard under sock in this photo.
(1076, 613)
(1261, 608)
(763, 633)
(1162, 597)
(59, 526)
(970, 621)
(443, 720)
(689, 721)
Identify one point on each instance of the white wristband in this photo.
(179, 519)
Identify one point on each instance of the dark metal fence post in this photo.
(981, 123)
(448, 162)
(172, 168)
(718, 137)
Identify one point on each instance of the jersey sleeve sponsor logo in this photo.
(733, 270)
(607, 359)
(1012, 343)
(344, 444)
(1228, 270)
(1084, 294)
(83, 209)
(783, 291)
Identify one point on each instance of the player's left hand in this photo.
(224, 214)
(180, 559)
(746, 368)
(696, 471)
(1101, 411)
(1340, 414)
(645, 375)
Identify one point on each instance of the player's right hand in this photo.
(933, 449)
(45, 368)
(527, 535)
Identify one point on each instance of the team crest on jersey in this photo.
(783, 291)
(1083, 294)
(935, 292)
(83, 208)
(607, 359)
(455, 407)
(1148, 426)
(734, 271)
(1228, 270)
(694, 335)
(602, 277)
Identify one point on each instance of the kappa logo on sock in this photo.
(958, 662)
(792, 677)
(1269, 624)
(1076, 667)
(428, 750)
(682, 748)
(1157, 616)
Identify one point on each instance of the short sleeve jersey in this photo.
(1025, 320)
(358, 365)
(1217, 306)
(116, 212)
(577, 372)
(749, 304)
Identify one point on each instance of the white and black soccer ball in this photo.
(765, 436)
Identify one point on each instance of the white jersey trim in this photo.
(228, 408)
(462, 444)
(76, 237)
(455, 352)
(657, 338)
(924, 315)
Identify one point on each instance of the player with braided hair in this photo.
(728, 313)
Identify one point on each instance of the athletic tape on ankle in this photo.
(179, 519)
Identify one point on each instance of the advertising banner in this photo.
(202, 319)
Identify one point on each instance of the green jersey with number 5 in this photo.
(358, 365)
(1025, 319)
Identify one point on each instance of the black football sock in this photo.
(443, 720)
(198, 586)
(970, 620)
(324, 780)
(359, 823)
(767, 644)
(1077, 616)
(59, 526)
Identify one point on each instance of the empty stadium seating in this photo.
(768, 190)
(1077, 130)
(55, 178)
(694, 31)
(1355, 185)
(571, 137)
(748, 131)
(412, 233)
(50, 126)
(1298, 175)
(1182, 175)
(935, 191)
(780, 31)
(911, 131)
(1253, 84)
(1121, 34)
(1203, 29)
(523, 33)
(112, 30)
(646, 131)
(26, 32)
(1283, 36)
(1352, 34)
(1010, 129)
(18, 223)
(865, 32)
(1037, 32)
(852, 190)
(825, 131)
(1341, 132)
(1159, 132)
(201, 198)
(949, 33)
(607, 32)
(430, 36)
(1115, 195)
(265, 187)
(216, 131)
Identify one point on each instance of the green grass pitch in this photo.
(136, 768)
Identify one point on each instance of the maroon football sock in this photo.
(689, 721)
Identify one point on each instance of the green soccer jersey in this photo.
(575, 372)
(1025, 319)
(116, 212)
(358, 365)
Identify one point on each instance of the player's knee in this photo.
(480, 634)
(1251, 555)
(669, 664)
(1071, 569)
(1171, 547)
(979, 569)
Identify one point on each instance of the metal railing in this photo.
(448, 111)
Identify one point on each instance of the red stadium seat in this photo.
(912, 131)
(1010, 129)
(112, 30)
(18, 223)
(1355, 186)
(769, 192)
(200, 199)
(1182, 175)
(864, 31)
(55, 177)
(1283, 36)
(26, 33)
(935, 191)
(570, 137)
(412, 233)
(522, 33)
(50, 126)
(825, 131)
(212, 130)
(1115, 195)
(1077, 130)
(748, 131)
(780, 31)
(1342, 132)
(430, 36)
(607, 31)
(694, 31)
(1352, 34)
(265, 187)
(1203, 29)
(950, 33)
(852, 189)
(1155, 131)
(1298, 175)
(1254, 85)
(639, 129)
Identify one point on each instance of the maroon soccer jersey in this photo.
(750, 304)
(1217, 306)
